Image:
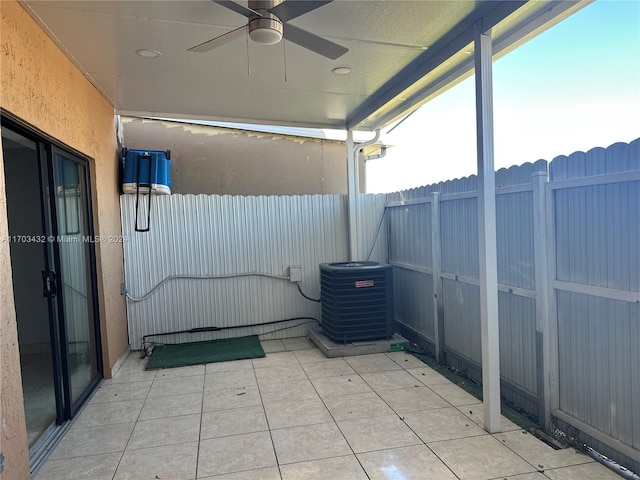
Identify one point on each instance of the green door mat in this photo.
(196, 353)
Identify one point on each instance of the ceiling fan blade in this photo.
(313, 42)
(218, 41)
(236, 7)
(289, 9)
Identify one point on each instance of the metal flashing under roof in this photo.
(323, 134)
(401, 54)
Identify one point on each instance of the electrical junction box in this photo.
(295, 273)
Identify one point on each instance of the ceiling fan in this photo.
(268, 25)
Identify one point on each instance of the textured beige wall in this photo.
(43, 88)
(225, 161)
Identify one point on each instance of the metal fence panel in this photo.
(599, 363)
(514, 230)
(462, 319)
(413, 301)
(459, 233)
(220, 235)
(411, 235)
(518, 340)
(598, 235)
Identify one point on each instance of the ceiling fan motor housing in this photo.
(266, 19)
(266, 30)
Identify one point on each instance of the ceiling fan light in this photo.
(265, 36)
(265, 30)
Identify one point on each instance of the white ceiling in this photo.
(392, 45)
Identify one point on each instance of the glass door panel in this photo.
(75, 246)
(30, 260)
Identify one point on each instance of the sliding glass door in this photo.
(53, 263)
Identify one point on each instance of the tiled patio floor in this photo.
(298, 415)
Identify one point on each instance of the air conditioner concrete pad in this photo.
(333, 349)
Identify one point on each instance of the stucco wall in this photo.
(226, 161)
(42, 87)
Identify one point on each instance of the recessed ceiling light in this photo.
(143, 52)
(341, 70)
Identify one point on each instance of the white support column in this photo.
(487, 231)
(353, 177)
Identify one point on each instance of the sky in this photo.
(572, 88)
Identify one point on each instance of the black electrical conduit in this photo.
(375, 238)
(214, 277)
(204, 277)
(305, 296)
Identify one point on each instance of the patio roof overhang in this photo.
(401, 54)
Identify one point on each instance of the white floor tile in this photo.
(296, 415)
(337, 468)
(240, 453)
(175, 462)
(309, 442)
(90, 467)
(165, 431)
(81, 442)
(480, 458)
(406, 463)
(223, 423)
(377, 433)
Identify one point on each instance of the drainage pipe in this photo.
(353, 190)
(383, 152)
(360, 146)
(610, 464)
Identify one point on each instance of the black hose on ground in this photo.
(216, 329)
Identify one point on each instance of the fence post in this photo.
(543, 366)
(436, 261)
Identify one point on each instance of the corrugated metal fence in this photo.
(594, 220)
(569, 287)
(209, 235)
